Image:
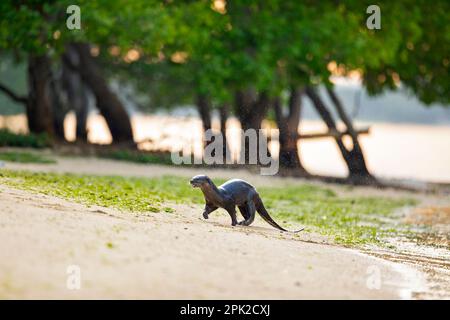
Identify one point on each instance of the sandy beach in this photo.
(175, 256)
(179, 255)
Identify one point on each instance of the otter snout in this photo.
(197, 181)
(194, 183)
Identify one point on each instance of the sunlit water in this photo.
(408, 151)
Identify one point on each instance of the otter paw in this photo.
(205, 215)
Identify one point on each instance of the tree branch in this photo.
(329, 121)
(345, 118)
(340, 109)
(12, 95)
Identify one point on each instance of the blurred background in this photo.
(149, 77)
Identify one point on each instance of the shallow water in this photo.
(403, 151)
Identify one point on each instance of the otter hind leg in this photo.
(232, 212)
(251, 211)
(244, 211)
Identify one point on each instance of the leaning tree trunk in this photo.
(108, 103)
(356, 155)
(39, 105)
(288, 126)
(354, 170)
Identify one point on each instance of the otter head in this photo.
(200, 181)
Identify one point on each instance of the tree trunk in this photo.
(358, 163)
(204, 110)
(251, 109)
(288, 126)
(223, 114)
(59, 107)
(38, 102)
(108, 103)
(38, 107)
(351, 159)
(76, 92)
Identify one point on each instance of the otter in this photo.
(234, 193)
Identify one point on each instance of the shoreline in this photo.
(386, 151)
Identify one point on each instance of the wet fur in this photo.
(234, 193)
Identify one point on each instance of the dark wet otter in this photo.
(233, 193)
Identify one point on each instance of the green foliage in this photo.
(140, 157)
(24, 157)
(40, 26)
(10, 139)
(348, 220)
(273, 44)
(266, 45)
(420, 52)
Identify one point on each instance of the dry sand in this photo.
(174, 255)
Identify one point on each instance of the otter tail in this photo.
(265, 215)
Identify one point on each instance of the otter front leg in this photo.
(208, 209)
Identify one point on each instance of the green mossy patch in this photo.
(24, 157)
(348, 220)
